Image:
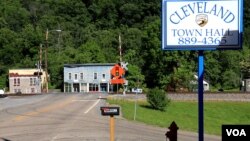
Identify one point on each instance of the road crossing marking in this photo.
(82, 100)
(91, 107)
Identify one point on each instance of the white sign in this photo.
(136, 90)
(202, 24)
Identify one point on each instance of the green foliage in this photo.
(157, 99)
(230, 80)
(134, 77)
(246, 14)
(245, 63)
(90, 31)
(90, 52)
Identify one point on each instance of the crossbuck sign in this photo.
(202, 24)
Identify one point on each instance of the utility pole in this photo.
(40, 65)
(136, 97)
(40, 56)
(120, 52)
(120, 48)
(46, 61)
(123, 65)
(46, 57)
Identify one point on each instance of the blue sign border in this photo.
(164, 45)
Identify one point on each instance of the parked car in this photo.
(1, 92)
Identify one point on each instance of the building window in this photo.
(34, 81)
(103, 76)
(93, 87)
(95, 75)
(67, 87)
(81, 75)
(14, 81)
(31, 81)
(69, 76)
(18, 81)
(75, 76)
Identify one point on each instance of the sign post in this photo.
(111, 111)
(200, 96)
(202, 25)
(112, 128)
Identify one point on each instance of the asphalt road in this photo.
(72, 117)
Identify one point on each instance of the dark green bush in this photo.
(158, 99)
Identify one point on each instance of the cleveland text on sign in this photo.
(201, 24)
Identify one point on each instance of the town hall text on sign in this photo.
(202, 24)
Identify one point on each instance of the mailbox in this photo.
(110, 111)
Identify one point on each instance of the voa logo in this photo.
(236, 132)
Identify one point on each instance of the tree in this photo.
(213, 69)
(134, 77)
(230, 80)
(132, 46)
(246, 14)
(245, 63)
(90, 31)
(108, 42)
(130, 14)
(8, 44)
(90, 53)
(157, 99)
(11, 18)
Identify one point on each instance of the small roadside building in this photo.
(194, 84)
(91, 77)
(28, 81)
(246, 85)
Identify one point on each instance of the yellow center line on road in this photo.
(46, 109)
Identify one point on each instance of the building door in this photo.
(84, 87)
(103, 87)
(32, 90)
(76, 87)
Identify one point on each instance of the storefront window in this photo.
(67, 87)
(93, 87)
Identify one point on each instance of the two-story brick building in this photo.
(93, 77)
(26, 81)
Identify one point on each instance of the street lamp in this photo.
(46, 57)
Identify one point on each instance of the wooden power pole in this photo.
(46, 61)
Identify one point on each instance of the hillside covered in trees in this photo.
(89, 34)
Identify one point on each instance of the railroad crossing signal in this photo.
(117, 73)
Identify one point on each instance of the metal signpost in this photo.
(202, 25)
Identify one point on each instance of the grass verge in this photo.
(185, 114)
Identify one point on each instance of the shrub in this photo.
(158, 99)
